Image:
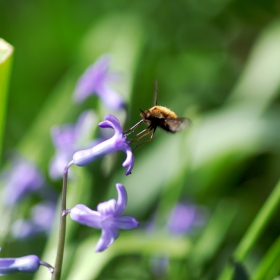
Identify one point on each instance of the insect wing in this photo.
(177, 124)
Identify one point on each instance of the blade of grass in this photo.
(255, 230)
(270, 259)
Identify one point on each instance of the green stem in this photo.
(62, 228)
(255, 230)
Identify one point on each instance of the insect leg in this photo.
(152, 136)
(145, 134)
(142, 131)
(133, 139)
(132, 129)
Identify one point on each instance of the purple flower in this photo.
(117, 142)
(29, 263)
(183, 218)
(107, 217)
(42, 217)
(21, 179)
(68, 139)
(96, 80)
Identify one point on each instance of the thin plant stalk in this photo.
(62, 227)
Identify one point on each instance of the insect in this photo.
(158, 116)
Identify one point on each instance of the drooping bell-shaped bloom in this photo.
(108, 218)
(29, 264)
(116, 142)
(96, 80)
(22, 178)
(68, 139)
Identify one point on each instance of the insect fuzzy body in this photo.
(158, 116)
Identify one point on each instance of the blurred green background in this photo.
(218, 63)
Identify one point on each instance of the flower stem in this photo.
(62, 227)
(47, 265)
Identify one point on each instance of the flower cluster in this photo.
(69, 142)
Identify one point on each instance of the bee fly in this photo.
(158, 116)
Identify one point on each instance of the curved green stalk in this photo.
(62, 227)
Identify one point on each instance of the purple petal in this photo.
(92, 79)
(84, 157)
(111, 98)
(21, 179)
(108, 236)
(41, 220)
(129, 161)
(183, 218)
(106, 124)
(124, 222)
(85, 216)
(57, 164)
(122, 200)
(111, 122)
(29, 263)
(107, 207)
(68, 139)
(63, 137)
(95, 80)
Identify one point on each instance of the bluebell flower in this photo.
(116, 142)
(96, 80)
(183, 218)
(68, 139)
(42, 217)
(108, 218)
(22, 178)
(29, 264)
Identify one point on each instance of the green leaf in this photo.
(88, 264)
(6, 53)
(213, 235)
(269, 263)
(256, 228)
(260, 81)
